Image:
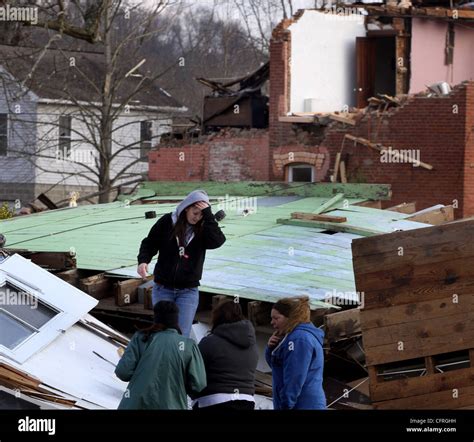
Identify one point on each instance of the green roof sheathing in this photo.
(260, 260)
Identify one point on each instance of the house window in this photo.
(57, 306)
(3, 134)
(145, 139)
(21, 315)
(301, 173)
(65, 135)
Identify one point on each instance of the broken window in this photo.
(65, 135)
(3, 134)
(145, 139)
(21, 315)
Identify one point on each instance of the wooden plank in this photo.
(435, 217)
(403, 208)
(443, 400)
(217, 299)
(294, 119)
(342, 325)
(108, 305)
(315, 217)
(49, 397)
(259, 313)
(343, 172)
(471, 357)
(109, 333)
(415, 386)
(409, 313)
(371, 204)
(342, 119)
(448, 272)
(12, 374)
(335, 227)
(416, 292)
(148, 300)
(97, 286)
(126, 292)
(336, 166)
(430, 365)
(380, 148)
(47, 202)
(422, 238)
(384, 354)
(261, 188)
(329, 204)
(426, 328)
(49, 260)
(70, 276)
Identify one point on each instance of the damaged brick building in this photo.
(361, 72)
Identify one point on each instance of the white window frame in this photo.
(291, 167)
(70, 303)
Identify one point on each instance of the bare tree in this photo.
(114, 88)
(259, 19)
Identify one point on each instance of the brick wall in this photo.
(279, 105)
(219, 158)
(428, 125)
(443, 138)
(468, 171)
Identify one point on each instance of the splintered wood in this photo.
(417, 316)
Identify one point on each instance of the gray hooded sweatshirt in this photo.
(230, 355)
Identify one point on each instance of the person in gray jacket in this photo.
(230, 356)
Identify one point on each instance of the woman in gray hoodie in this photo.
(181, 239)
(230, 357)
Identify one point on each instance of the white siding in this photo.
(126, 132)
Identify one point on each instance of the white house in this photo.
(50, 118)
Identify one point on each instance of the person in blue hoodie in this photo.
(295, 355)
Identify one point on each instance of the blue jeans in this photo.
(187, 301)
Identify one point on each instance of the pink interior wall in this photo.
(428, 45)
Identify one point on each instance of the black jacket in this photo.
(230, 355)
(173, 270)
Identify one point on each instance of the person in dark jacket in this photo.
(295, 354)
(230, 357)
(181, 239)
(160, 365)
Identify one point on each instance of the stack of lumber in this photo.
(23, 383)
(418, 312)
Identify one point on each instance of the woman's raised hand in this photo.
(201, 205)
(274, 340)
(142, 270)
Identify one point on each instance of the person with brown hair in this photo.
(181, 239)
(160, 365)
(295, 355)
(230, 357)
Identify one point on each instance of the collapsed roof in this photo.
(53, 354)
